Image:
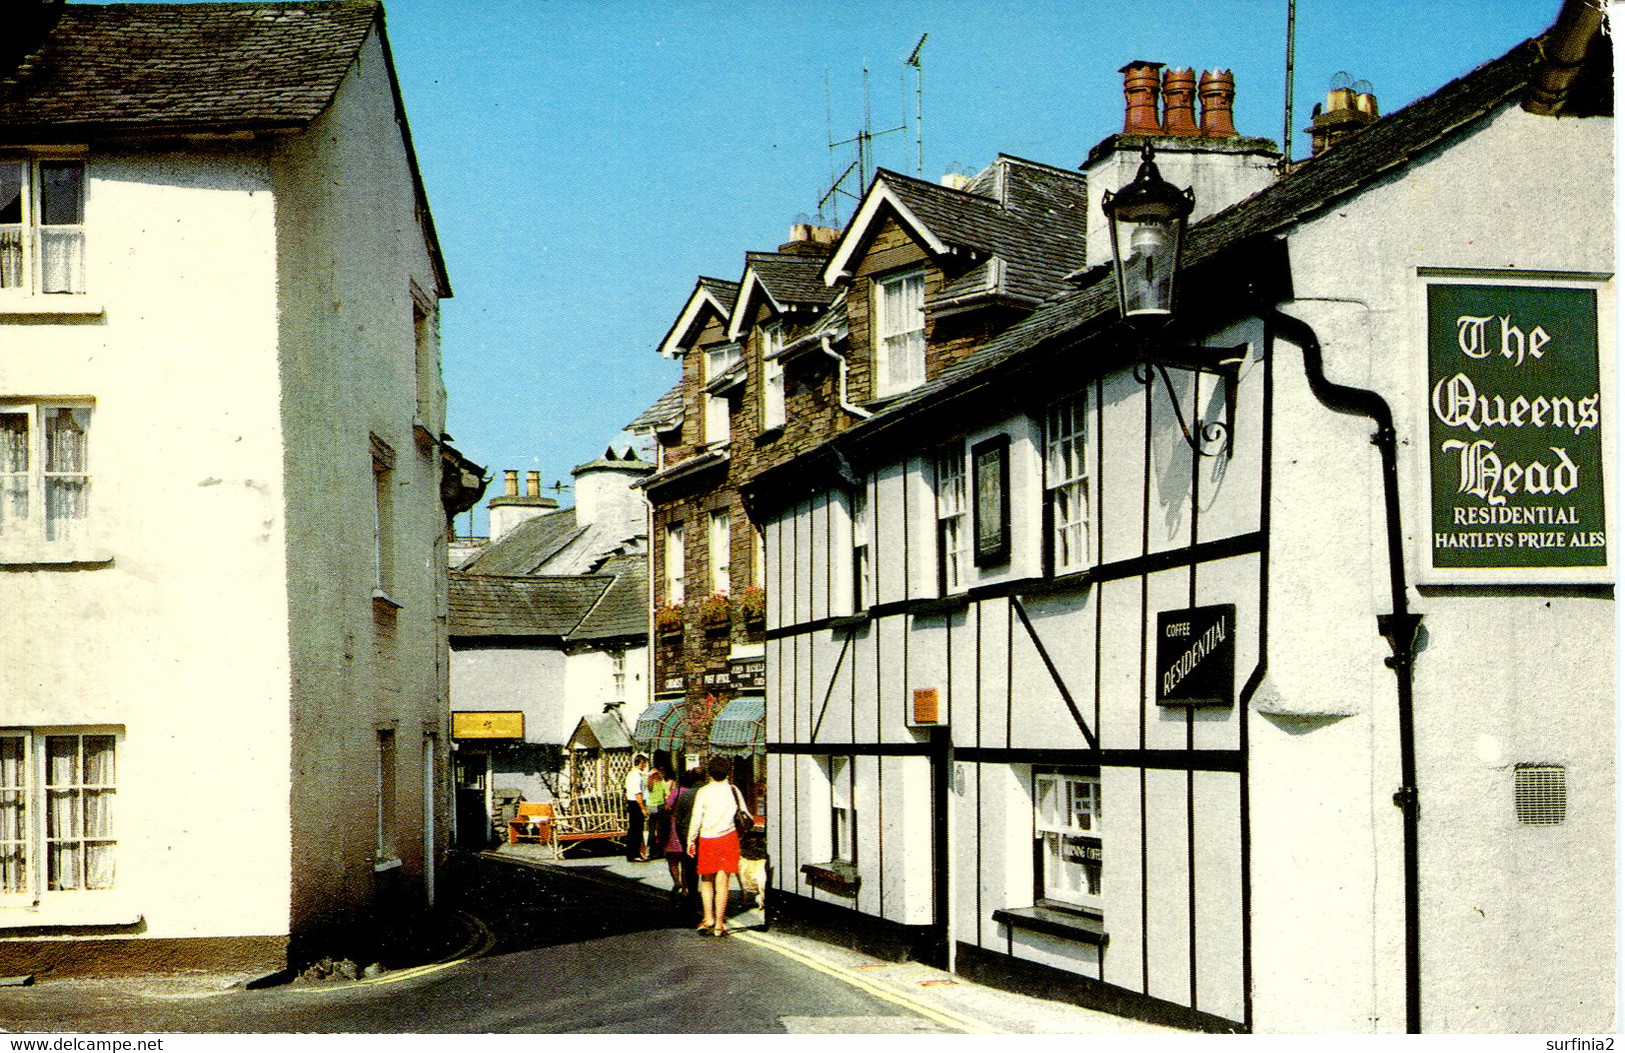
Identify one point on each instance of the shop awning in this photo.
(741, 728)
(660, 727)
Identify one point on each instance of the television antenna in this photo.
(863, 164)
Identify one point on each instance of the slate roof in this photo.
(483, 606)
(1029, 216)
(790, 278)
(1380, 151)
(667, 409)
(527, 546)
(623, 610)
(140, 67)
(725, 291)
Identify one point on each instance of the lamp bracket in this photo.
(1222, 362)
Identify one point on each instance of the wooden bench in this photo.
(576, 821)
(532, 823)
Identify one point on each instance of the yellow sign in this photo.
(488, 725)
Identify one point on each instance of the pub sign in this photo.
(1196, 656)
(1515, 431)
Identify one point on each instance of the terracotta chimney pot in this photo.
(510, 482)
(1218, 96)
(1140, 93)
(1179, 102)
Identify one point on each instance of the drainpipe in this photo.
(1398, 628)
(824, 343)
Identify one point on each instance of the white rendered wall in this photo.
(180, 638)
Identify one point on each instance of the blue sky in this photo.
(586, 160)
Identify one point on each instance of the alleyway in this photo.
(585, 948)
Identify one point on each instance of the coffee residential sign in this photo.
(1515, 430)
(1196, 656)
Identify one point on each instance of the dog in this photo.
(754, 876)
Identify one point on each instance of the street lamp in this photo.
(1148, 222)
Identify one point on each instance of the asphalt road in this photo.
(566, 955)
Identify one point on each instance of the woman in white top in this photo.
(714, 843)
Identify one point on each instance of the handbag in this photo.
(744, 822)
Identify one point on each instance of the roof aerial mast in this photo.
(919, 106)
(864, 141)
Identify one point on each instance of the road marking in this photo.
(478, 944)
(958, 1023)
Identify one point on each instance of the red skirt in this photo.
(718, 853)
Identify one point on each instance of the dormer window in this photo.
(772, 378)
(42, 233)
(899, 333)
(717, 360)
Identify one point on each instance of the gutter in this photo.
(824, 344)
(1398, 627)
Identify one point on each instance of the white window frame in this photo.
(719, 545)
(383, 520)
(617, 671)
(953, 502)
(772, 377)
(1066, 482)
(843, 818)
(37, 528)
(1066, 808)
(899, 332)
(674, 562)
(862, 548)
(24, 244)
(716, 361)
(31, 880)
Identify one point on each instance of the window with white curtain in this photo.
(44, 472)
(42, 225)
(772, 378)
(674, 557)
(951, 504)
(721, 546)
(57, 792)
(899, 333)
(1066, 483)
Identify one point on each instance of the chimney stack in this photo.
(1179, 102)
(1218, 96)
(1350, 106)
(807, 239)
(1140, 85)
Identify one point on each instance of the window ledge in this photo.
(1059, 922)
(71, 908)
(382, 598)
(849, 621)
(48, 554)
(381, 865)
(835, 877)
(52, 305)
(942, 604)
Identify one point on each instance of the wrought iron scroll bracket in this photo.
(1205, 438)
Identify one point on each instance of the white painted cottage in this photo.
(223, 672)
(1257, 674)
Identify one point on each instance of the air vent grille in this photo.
(1541, 794)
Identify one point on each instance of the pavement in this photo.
(946, 999)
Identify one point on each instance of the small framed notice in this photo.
(990, 500)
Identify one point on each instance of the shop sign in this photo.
(1084, 850)
(1515, 430)
(750, 672)
(1196, 656)
(716, 679)
(488, 725)
(672, 683)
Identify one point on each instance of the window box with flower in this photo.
(715, 611)
(668, 618)
(753, 605)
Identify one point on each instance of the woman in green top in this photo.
(655, 795)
